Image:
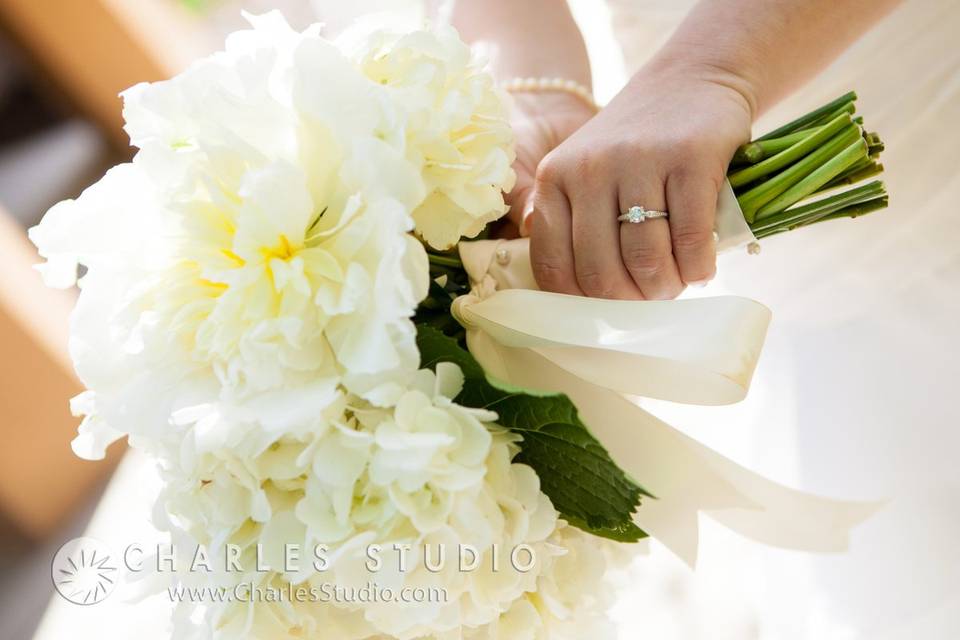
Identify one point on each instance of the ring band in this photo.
(637, 214)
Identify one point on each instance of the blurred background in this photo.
(853, 397)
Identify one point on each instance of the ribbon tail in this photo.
(686, 477)
(791, 519)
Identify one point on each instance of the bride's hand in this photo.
(541, 121)
(663, 143)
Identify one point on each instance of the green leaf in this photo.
(585, 485)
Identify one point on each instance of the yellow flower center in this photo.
(284, 251)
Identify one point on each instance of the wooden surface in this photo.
(92, 50)
(41, 480)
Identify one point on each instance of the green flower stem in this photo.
(753, 200)
(850, 211)
(807, 171)
(819, 177)
(814, 211)
(776, 145)
(856, 210)
(807, 120)
(854, 175)
(812, 218)
(433, 304)
(824, 119)
(445, 261)
(792, 153)
(754, 152)
(749, 153)
(860, 165)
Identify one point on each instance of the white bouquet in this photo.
(268, 308)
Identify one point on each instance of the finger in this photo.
(692, 201)
(551, 247)
(529, 154)
(596, 240)
(524, 226)
(645, 247)
(520, 198)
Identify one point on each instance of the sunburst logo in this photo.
(84, 572)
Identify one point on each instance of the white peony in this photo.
(457, 127)
(260, 235)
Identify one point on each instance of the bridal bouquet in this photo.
(272, 307)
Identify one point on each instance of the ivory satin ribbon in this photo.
(602, 352)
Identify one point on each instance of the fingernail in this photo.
(699, 284)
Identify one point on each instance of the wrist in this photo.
(509, 62)
(537, 103)
(740, 84)
(532, 38)
(553, 93)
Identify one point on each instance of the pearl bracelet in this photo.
(543, 85)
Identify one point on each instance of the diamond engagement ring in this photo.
(638, 214)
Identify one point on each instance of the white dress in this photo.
(856, 393)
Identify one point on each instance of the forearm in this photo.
(530, 38)
(767, 48)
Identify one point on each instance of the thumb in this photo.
(520, 198)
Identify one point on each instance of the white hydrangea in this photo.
(426, 473)
(457, 127)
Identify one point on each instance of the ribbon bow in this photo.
(602, 353)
